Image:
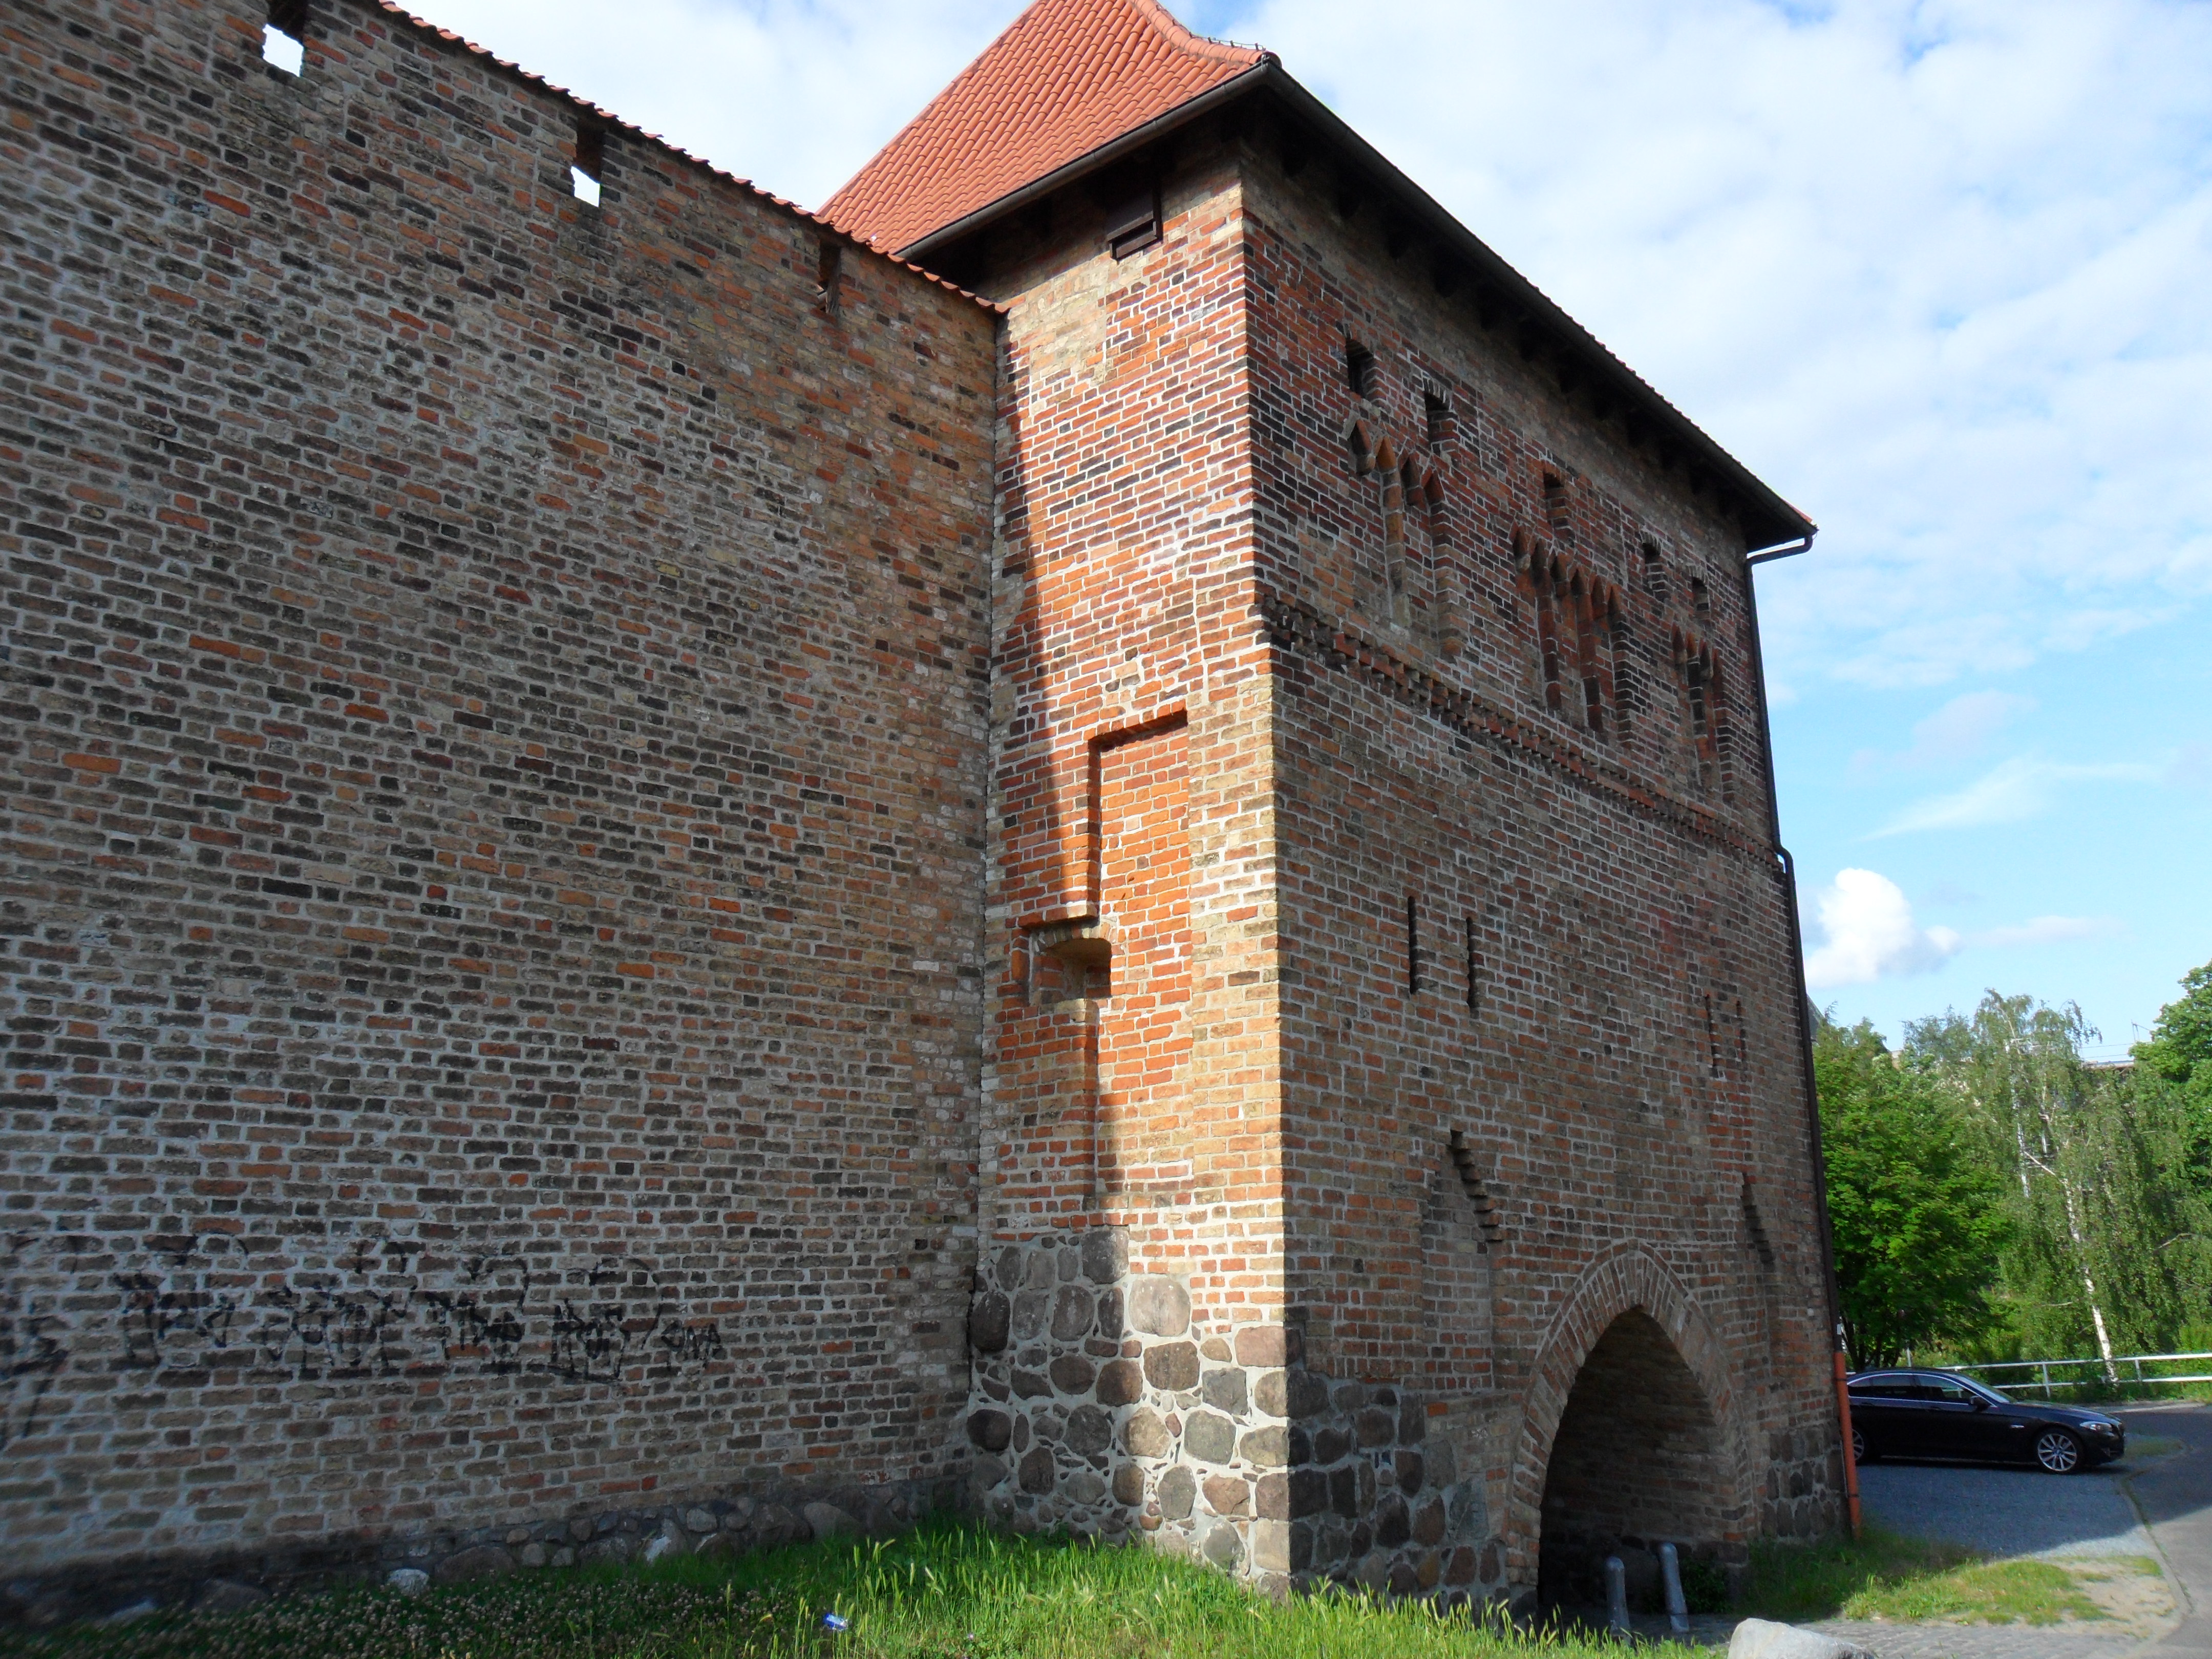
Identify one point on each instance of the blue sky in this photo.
(1942, 273)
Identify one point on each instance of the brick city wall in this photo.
(576, 773)
(495, 760)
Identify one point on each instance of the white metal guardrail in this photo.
(2124, 1368)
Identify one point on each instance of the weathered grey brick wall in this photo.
(490, 813)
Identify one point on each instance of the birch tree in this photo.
(2088, 1189)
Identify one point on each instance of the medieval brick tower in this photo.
(1391, 1009)
(627, 808)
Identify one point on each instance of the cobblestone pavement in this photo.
(1978, 1640)
(2176, 1494)
(2007, 1511)
(2022, 1512)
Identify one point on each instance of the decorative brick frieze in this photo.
(1302, 628)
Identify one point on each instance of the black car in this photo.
(1942, 1414)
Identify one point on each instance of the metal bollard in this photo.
(1616, 1596)
(1678, 1610)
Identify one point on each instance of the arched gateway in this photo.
(1631, 1436)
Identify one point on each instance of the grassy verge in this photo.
(1885, 1575)
(945, 1591)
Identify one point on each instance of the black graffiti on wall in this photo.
(386, 1307)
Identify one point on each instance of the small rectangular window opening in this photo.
(826, 262)
(284, 36)
(1135, 225)
(590, 162)
(1358, 368)
(1655, 572)
(1473, 972)
(1413, 945)
(1700, 598)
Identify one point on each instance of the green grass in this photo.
(1885, 1575)
(945, 1591)
(2120, 1566)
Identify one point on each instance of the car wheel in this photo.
(2058, 1451)
(1861, 1453)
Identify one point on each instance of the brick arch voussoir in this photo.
(1630, 1277)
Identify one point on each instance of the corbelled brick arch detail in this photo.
(1626, 1279)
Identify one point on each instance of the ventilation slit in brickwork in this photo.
(1547, 632)
(1450, 638)
(1486, 1219)
(1754, 1229)
(1394, 529)
(284, 37)
(1655, 572)
(1555, 506)
(828, 260)
(1712, 1035)
(1742, 1038)
(1582, 603)
(1358, 368)
(1134, 225)
(1694, 662)
(1723, 728)
(590, 162)
(1436, 407)
(1413, 945)
(1473, 971)
(1699, 598)
(1625, 691)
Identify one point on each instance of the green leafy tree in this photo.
(2171, 1086)
(2177, 1060)
(1918, 1212)
(2106, 1240)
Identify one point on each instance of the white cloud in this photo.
(795, 94)
(2046, 930)
(1871, 934)
(1961, 729)
(2084, 629)
(1933, 268)
(2019, 789)
(1963, 726)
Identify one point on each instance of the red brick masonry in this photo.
(657, 869)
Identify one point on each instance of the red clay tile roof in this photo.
(1066, 77)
